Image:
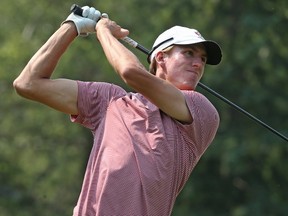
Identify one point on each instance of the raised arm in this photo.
(159, 91)
(35, 83)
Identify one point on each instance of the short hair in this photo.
(153, 64)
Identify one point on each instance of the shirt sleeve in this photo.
(93, 101)
(202, 130)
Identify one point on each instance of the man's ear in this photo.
(160, 57)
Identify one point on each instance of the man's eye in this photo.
(189, 52)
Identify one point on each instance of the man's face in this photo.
(184, 65)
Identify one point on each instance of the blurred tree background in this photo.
(244, 172)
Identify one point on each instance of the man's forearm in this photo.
(121, 58)
(43, 63)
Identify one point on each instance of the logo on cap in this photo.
(199, 35)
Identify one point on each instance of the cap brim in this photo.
(214, 53)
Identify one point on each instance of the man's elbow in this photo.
(23, 87)
(126, 73)
(131, 73)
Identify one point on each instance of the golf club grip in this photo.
(76, 9)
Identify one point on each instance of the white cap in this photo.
(179, 35)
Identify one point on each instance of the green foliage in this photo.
(43, 155)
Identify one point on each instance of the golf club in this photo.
(78, 11)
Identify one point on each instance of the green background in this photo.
(244, 172)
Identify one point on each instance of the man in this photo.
(147, 143)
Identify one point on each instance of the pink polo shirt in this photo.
(141, 158)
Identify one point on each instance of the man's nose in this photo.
(197, 62)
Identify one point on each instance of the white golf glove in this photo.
(86, 23)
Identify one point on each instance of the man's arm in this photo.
(34, 81)
(160, 92)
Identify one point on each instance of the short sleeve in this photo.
(202, 130)
(93, 100)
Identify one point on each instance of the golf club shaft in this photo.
(135, 44)
(211, 91)
(78, 11)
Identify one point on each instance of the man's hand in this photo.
(86, 23)
(116, 30)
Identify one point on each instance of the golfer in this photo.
(147, 142)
